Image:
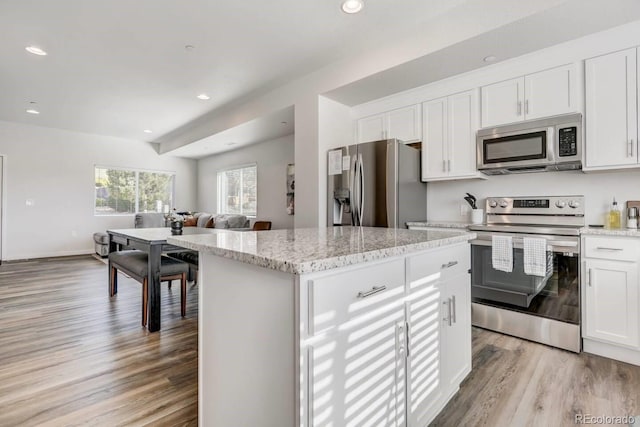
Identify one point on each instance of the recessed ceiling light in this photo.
(283, 123)
(352, 6)
(489, 58)
(230, 143)
(203, 96)
(147, 131)
(189, 47)
(35, 50)
(32, 111)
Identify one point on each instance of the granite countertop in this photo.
(598, 231)
(308, 250)
(440, 224)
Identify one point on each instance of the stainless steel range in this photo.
(544, 307)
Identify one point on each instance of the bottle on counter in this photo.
(613, 218)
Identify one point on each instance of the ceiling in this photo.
(119, 67)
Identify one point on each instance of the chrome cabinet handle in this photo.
(448, 304)
(589, 277)
(602, 248)
(373, 291)
(444, 166)
(526, 106)
(631, 148)
(453, 310)
(449, 264)
(519, 108)
(449, 165)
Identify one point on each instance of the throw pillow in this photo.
(222, 223)
(203, 219)
(190, 221)
(211, 223)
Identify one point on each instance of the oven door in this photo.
(556, 296)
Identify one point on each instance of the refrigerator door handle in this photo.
(361, 191)
(354, 192)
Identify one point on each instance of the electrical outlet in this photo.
(464, 209)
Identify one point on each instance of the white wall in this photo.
(55, 168)
(599, 188)
(272, 158)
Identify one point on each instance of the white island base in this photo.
(383, 342)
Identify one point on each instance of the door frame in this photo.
(3, 204)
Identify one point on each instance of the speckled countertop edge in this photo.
(626, 232)
(316, 265)
(440, 224)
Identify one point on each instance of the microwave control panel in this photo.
(568, 141)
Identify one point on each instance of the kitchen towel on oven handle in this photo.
(536, 262)
(502, 253)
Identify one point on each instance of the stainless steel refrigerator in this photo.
(375, 184)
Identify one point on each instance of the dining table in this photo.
(153, 241)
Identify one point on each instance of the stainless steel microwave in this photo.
(550, 144)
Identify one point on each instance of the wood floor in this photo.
(520, 383)
(70, 355)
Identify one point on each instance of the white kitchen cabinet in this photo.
(439, 316)
(612, 301)
(611, 111)
(546, 93)
(357, 364)
(457, 331)
(611, 297)
(403, 123)
(448, 144)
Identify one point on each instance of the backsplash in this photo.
(445, 198)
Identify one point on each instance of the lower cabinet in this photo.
(611, 297)
(388, 343)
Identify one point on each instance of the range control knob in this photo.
(574, 204)
(561, 204)
(493, 203)
(503, 203)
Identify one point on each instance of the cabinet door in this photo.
(456, 334)
(549, 92)
(502, 102)
(611, 299)
(405, 124)
(611, 112)
(434, 162)
(358, 374)
(462, 126)
(372, 128)
(424, 382)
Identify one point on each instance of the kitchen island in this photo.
(330, 326)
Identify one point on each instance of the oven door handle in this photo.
(555, 246)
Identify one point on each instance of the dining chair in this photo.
(261, 225)
(135, 264)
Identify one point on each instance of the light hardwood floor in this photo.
(70, 355)
(520, 383)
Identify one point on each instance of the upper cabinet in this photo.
(542, 94)
(404, 124)
(611, 111)
(448, 143)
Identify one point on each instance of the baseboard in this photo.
(611, 351)
(57, 254)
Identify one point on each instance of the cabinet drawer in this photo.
(446, 262)
(620, 249)
(344, 296)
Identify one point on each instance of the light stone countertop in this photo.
(440, 224)
(308, 250)
(597, 231)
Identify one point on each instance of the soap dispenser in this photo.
(613, 218)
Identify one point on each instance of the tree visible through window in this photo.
(122, 191)
(238, 191)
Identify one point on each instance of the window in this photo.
(125, 191)
(238, 191)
